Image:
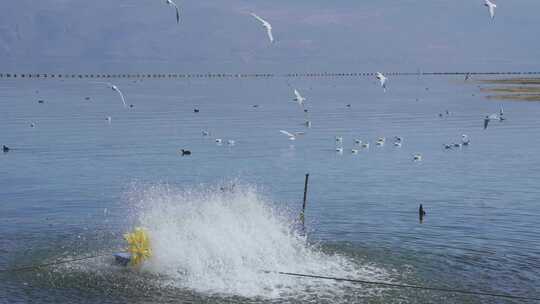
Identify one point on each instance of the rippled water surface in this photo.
(73, 184)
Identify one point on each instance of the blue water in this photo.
(65, 187)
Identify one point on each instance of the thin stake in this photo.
(305, 199)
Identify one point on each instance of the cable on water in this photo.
(395, 285)
(37, 266)
(356, 281)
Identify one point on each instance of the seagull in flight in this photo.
(298, 98)
(488, 118)
(291, 135)
(267, 25)
(501, 115)
(117, 90)
(491, 6)
(171, 3)
(382, 79)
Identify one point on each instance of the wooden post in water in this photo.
(305, 200)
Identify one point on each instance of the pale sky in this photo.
(50, 36)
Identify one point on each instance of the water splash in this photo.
(219, 241)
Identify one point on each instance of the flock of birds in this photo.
(301, 100)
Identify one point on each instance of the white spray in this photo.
(219, 242)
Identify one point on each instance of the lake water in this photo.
(75, 183)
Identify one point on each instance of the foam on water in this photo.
(218, 242)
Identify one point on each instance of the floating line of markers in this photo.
(244, 75)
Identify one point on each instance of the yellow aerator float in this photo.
(138, 249)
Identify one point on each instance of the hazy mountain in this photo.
(215, 36)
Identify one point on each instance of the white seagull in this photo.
(465, 140)
(117, 90)
(267, 25)
(171, 3)
(491, 6)
(298, 98)
(382, 79)
(488, 118)
(291, 135)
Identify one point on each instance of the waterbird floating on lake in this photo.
(382, 79)
(339, 150)
(291, 135)
(185, 152)
(231, 142)
(488, 118)
(267, 25)
(491, 7)
(417, 157)
(109, 119)
(219, 141)
(171, 3)
(465, 140)
(501, 114)
(339, 139)
(5, 149)
(117, 90)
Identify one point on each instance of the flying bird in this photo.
(491, 6)
(291, 135)
(267, 25)
(298, 98)
(382, 79)
(117, 90)
(171, 3)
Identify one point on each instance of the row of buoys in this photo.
(255, 75)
